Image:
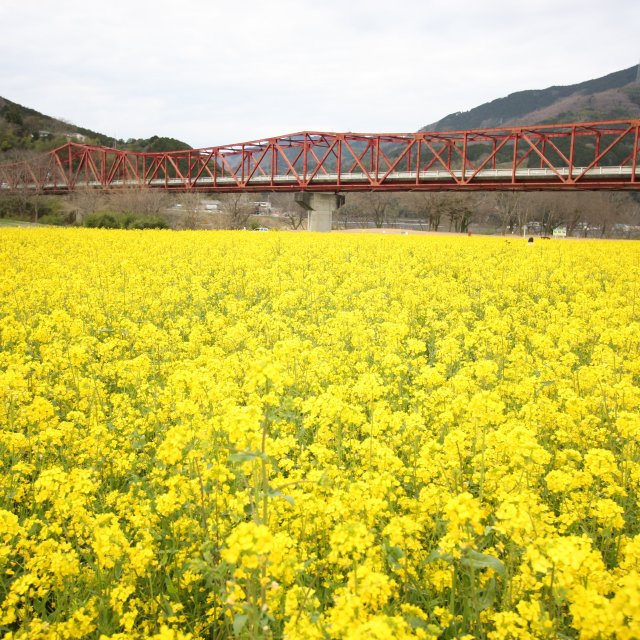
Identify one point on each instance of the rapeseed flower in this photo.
(291, 435)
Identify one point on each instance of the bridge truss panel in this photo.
(596, 155)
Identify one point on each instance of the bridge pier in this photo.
(320, 207)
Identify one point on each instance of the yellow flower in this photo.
(248, 544)
(339, 436)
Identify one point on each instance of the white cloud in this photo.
(212, 72)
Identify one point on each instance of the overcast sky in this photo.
(214, 72)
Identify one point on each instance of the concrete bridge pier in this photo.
(320, 207)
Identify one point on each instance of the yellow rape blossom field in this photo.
(227, 434)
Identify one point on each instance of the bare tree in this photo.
(142, 200)
(460, 210)
(190, 216)
(547, 210)
(382, 208)
(427, 207)
(438, 203)
(614, 210)
(238, 209)
(86, 201)
(293, 213)
(296, 217)
(362, 208)
(506, 206)
(351, 212)
(575, 211)
(23, 179)
(523, 213)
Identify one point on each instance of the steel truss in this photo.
(593, 155)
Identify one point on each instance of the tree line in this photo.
(588, 214)
(585, 213)
(129, 208)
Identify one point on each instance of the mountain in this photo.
(615, 96)
(24, 129)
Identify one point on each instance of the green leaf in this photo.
(169, 586)
(278, 494)
(239, 621)
(393, 554)
(477, 560)
(245, 456)
(415, 622)
(438, 555)
(488, 595)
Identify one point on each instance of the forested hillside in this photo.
(24, 129)
(611, 97)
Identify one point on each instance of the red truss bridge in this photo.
(592, 155)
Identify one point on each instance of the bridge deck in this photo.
(401, 179)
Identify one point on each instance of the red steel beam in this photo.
(593, 155)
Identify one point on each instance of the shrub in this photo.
(57, 219)
(149, 222)
(32, 208)
(12, 206)
(115, 220)
(102, 220)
